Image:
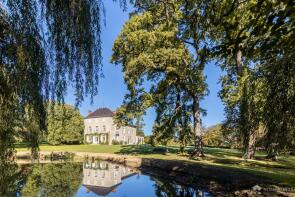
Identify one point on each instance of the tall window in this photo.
(96, 128)
(89, 129)
(104, 128)
(103, 138)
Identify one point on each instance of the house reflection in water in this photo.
(102, 177)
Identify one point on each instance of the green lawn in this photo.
(77, 148)
(281, 171)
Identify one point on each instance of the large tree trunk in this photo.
(272, 152)
(181, 146)
(198, 149)
(180, 124)
(248, 132)
(250, 145)
(239, 62)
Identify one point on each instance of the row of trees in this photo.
(166, 44)
(48, 45)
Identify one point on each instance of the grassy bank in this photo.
(281, 171)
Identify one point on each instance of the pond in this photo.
(94, 178)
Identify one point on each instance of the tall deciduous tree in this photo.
(65, 125)
(276, 36)
(253, 42)
(252, 33)
(232, 35)
(150, 51)
(192, 27)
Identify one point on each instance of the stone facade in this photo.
(101, 129)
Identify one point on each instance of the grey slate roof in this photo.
(101, 191)
(101, 112)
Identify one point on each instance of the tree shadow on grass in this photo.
(229, 176)
(223, 152)
(228, 157)
(234, 157)
(219, 180)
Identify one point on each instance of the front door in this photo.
(103, 138)
(95, 140)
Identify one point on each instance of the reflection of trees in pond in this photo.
(165, 188)
(11, 179)
(52, 180)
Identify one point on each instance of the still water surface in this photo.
(95, 178)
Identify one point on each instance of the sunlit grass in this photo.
(79, 148)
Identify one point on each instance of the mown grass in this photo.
(76, 148)
(281, 171)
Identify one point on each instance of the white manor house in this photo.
(101, 129)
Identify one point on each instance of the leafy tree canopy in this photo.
(253, 42)
(65, 125)
(151, 52)
(45, 46)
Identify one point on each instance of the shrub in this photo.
(115, 142)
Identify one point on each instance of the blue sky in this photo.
(112, 88)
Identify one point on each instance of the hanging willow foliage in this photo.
(45, 46)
